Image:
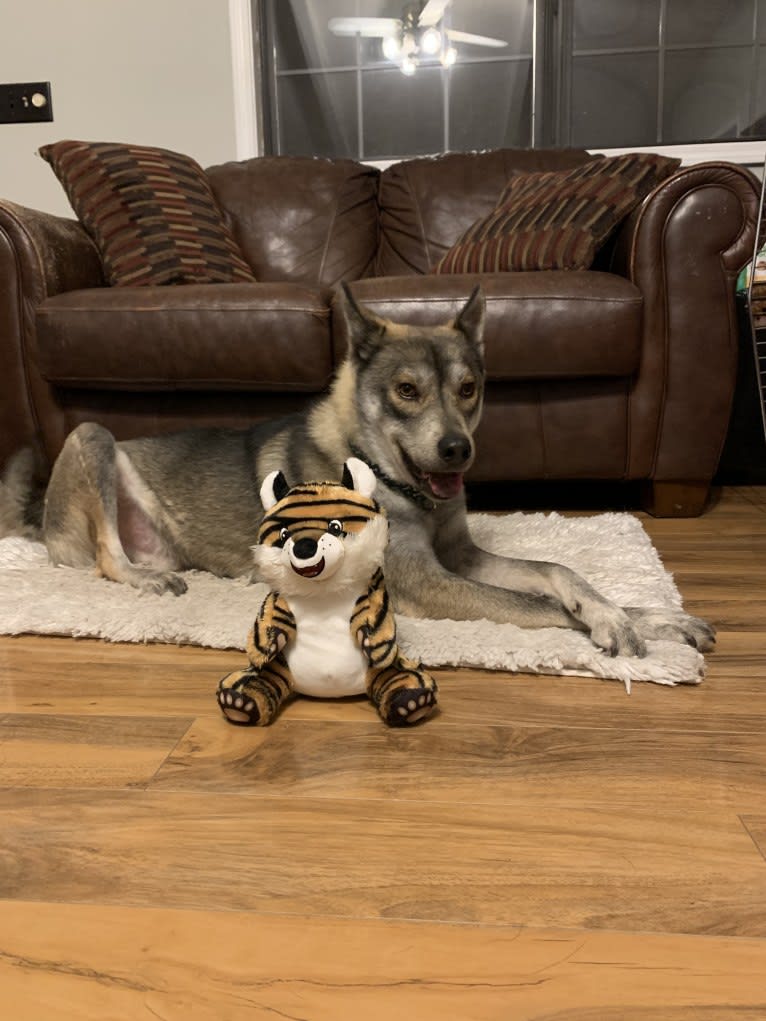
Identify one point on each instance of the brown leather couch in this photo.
(625, 371)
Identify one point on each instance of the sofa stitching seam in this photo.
(416, 201)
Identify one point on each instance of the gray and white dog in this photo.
(407, 400)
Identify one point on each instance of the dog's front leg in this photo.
(599, 616)
(609, 626)
(421, 586)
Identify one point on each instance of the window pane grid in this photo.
(636, 73)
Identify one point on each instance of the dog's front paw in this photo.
(672, 626)
(613, 632)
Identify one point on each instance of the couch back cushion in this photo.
(301, 219)
(557, 219)
(427, 204)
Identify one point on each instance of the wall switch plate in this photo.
(25, 102)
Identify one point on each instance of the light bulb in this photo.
(449, 57)
(391, 47)
(431, 41)
(409, 43)
(408, 66)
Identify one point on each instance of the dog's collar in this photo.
(404, 488)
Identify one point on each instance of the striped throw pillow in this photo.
(150, 212)
(556, 219)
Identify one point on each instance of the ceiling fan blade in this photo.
(432, 13)
(373, 27)
(477, 40)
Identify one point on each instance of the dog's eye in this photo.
(467, 390)
(335, 527)
(407, 391)
(284, 535)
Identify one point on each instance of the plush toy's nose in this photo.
(305, 549)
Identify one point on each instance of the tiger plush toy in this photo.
(326, 627)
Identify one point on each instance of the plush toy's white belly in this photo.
(324, 659)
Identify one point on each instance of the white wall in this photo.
(151, 72)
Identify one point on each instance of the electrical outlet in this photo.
(25, 102)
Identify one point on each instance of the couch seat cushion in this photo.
(560, 324)
(200, 336)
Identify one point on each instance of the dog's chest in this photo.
(324, 659)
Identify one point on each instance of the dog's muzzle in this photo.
(456, 453)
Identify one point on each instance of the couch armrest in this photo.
(683, 248)
(53, 254)
(40, 255)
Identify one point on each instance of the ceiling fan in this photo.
(419, 33)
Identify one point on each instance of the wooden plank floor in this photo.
(545, 848)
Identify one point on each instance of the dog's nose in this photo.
(305, 549)
(455, 449)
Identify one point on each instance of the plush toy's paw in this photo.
(248, 699)
(405, 696)
(410, 705)
(238, 705)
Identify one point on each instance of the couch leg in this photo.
(675, 499)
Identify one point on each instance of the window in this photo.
(664, 72)
(597, 74)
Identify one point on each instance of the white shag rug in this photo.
(612, 551)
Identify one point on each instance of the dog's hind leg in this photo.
(81, 521)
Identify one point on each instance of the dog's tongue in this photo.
(445, 485)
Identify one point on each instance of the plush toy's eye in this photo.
(335, 527)
(284, 535)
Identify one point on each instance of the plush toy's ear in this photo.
(274, 487)
(357, 475)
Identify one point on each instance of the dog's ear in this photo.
(365, 329)
(470, 320)
(358, 476)
(273, 488)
